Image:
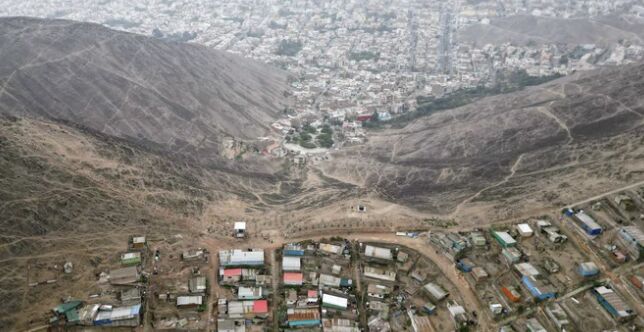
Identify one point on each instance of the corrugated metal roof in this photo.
(237, 257)
(329, 280)
(381, 274)
(293, 277)
(260, 306)
(377, 252)
(524, 228)
(248, 293)
(335, 301)
(127, 274)
(436, 291)
(302, 314)
(189, 300)
(197, 284)
(138, 239)
(120, 313)
(232, 272)
(505, 237)
(588, 220)
(331, 248)
(526, 269)
(290, 263)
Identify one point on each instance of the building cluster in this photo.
(580, 270)
(317, 286)
(533, 264)
(247, 281)
(121, 298)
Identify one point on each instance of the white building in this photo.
(377, 252)
(291, 263)
(240, 229)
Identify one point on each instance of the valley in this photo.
(107, 137)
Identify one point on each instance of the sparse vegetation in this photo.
(429, 105)
(364, 55)
(289, 47)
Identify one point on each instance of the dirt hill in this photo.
(181, 97)
(543, 146)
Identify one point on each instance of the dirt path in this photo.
(513, 171)
(614, 191)
(560, 122)
(275, 273)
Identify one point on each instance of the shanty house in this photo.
(131, 258)
(189, 301)
(613, 303)
(504, 239)
(291, 263)
(249, 293)
(377, 252)
(293, 279)
(632, 239)
(122, 316)
(238, 257)
(123, 276)
(334, 302)
(380, 274)
(587, 223)
(197, 284)
(435, 292)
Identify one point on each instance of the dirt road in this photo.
(615, 191)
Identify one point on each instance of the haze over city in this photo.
(246, 165)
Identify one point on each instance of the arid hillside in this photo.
(91, 121)
(525, 29)
(543, 146)
(181, 97)
(69, 193)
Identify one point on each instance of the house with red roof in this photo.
(260, 307)
(293, 278)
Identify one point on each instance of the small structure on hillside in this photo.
(68, 267)
(138, 242)
(524, 230)
(240, 230)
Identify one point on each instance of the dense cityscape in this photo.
(349, 58)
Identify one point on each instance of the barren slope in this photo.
(524, 29)
(179, 96)
(544, 145)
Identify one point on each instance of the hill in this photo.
(526, 29)
(180, 97)
(540, 147)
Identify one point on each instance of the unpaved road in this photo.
(615, 191)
